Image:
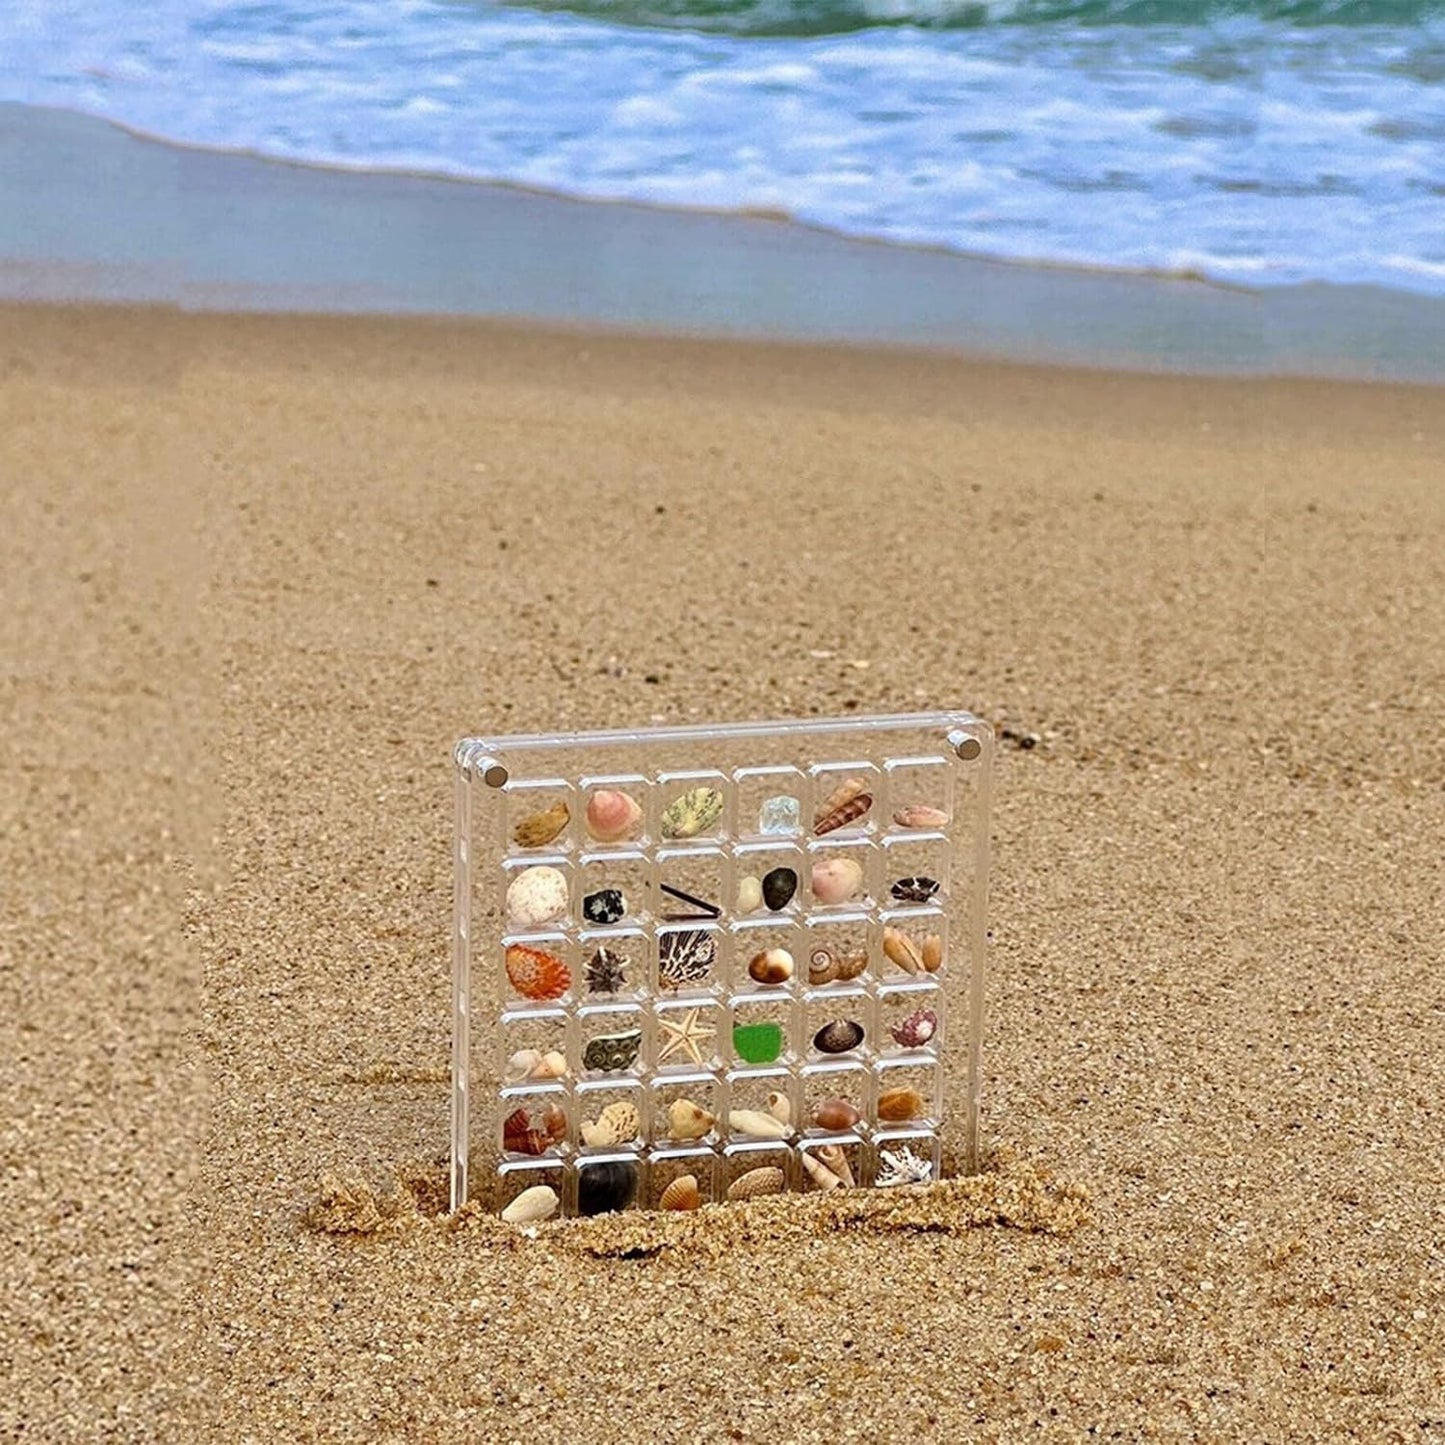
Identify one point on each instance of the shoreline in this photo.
(98, 213)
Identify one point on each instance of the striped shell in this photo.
(519, 1137)
(682, 1193)
(835, 1158)
(756, 1182)
(536, 974)
(685, 957)
(848, 802)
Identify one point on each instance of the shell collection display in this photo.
(672, 1043)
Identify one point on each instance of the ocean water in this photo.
(1257, 144)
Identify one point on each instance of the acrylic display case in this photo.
(694, 964)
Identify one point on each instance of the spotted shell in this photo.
(519, 1137)
(916, 1029)
(617, 1124)
(756, 1182)
(848, 802)
(682, 1193)
(536, 896)
(692, 813)
(536, 830)
(535, 973)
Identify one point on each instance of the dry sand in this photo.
(259, 574)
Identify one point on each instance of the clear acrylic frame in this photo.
(612, 992)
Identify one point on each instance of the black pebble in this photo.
(779, 887)
(602, 1188)
(915, 890)
(604, 906)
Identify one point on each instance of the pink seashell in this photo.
(920, 815)
(916, 1029)
(612, 816)
(835, 880)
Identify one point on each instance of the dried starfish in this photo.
(687, 1035)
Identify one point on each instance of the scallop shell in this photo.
(780, 1107)
(899, 948)
(920, 815)
(820, 1174)
(835, 1159)
(536, 830)
(916, 1029)
(756, 1182)
(537, 896)
(757, 1125)
(535, 973)
(686, 1120)
(835, 1114)
(682, 1193)
(932, 953)
(519, 1137)
(822, 967)
(692, 813)
(617, 1124)
(531, 1205)
(772, 965)
(848, 802)
(612, 816)
(838, 1036)
(896, 1105)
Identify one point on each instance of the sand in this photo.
(259, 575)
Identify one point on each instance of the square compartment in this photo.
(689, 959)
(827, 1166)
(910, 1020)
(834, 866)
(831, 782)
(772, 947)
(613, 888)
(535, 1123)
(694, 885)
(747, 1159)
(907, 1094)
(825, 1084)
(901, 1156)
(666, 1166)
(515, 874)
(751, 1093)
(610, 1183)
(781, 874)
(678, 1092)
(535, 1047)
(914, 872)
(913, 943)
(611, 1115)
(837, 951)
(685, 1035)
(543, 811)
(515, 1175)
(917, 786)
(844, 1014)
(692, 806)
(611, 1041)
(615, 965)
(635, 835)
(756, 787)
(759, 1024)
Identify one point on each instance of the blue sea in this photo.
(1252, 142)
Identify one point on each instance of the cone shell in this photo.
(612, 816)
(756, 1182)
(617, 1124)
(538, 1202)
(535, 973)
(757, 1125)
(536, 830)
(536, 896)
(772, 965)
(848, 802)
(682, 1193)
(836, 880)
(920, 815)
(686, 1120)
(836, 1114)
(899, 948)
(896, 1105)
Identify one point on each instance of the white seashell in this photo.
(820, 1174)
(757, 1124)
(617, 1124)
(780, 1108)
(522, 1065)
(833, 1159)
(750, 894)
(537, 896)
(538, 1202)
(552, 1066)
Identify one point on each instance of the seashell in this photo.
(606, 905)
(537, 896)
(780, 815)
(835, 1159)
(780, 1107)
(779, 885)
(899, 948)
(822, 967)
(519, 1137)
(902, 1166)
(932, 953)
(553, 1066)
(685, 957)
(605, 1186)
(554, 1121)
(916, 1029)
(522, 1065)
(531, 1205)
(756, 1182)
(694, 812)
(838, 1037)
(848, 802)
(835, 880)
(914, 890)
(758, 1043)
(606, 971)
(820, 1174)
(606, 1053)
(750, 895)
(534, 973)
(920, 815)
(852, 964)
(836, 1114)
(772, 965)
(686, 1120)
(757, 1125)
(612, 816)
(617, 1124)
(895, 1105)
(681, 1193)
(536, 830)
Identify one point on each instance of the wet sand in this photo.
(260, 573)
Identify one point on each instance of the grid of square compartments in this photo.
(742, 978)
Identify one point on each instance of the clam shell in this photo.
(819, 1173)
(617, 1124)
(538, 1202)
(535, 973)
(756, 1182)
(757, 1125)
(838, 1036)
(836, 880)
(612, 816)
(920, 815)
(895, 1105)
(899, 948)
(837, 1114)
(750, 895)
(686, 1120)
(537, 896)
(772, 965)
(780, 1107)
(692, 813)
(932, 953)
(682, 1193)
(848, 802)
(822, 967)
(536, 830)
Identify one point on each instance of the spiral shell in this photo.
(835, 1159)
(682, 1193)
(756, 1182)
(848, 802)
(617, 1124)
(822, 967)
(536, 830)
(536, 974)
(819, 1173)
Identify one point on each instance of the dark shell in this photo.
(838, 1037)
(779, 885)
(608, 1052)
(605, 1187)
(605, 906)
(606, 971)
(685, 958)
(914, 890)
